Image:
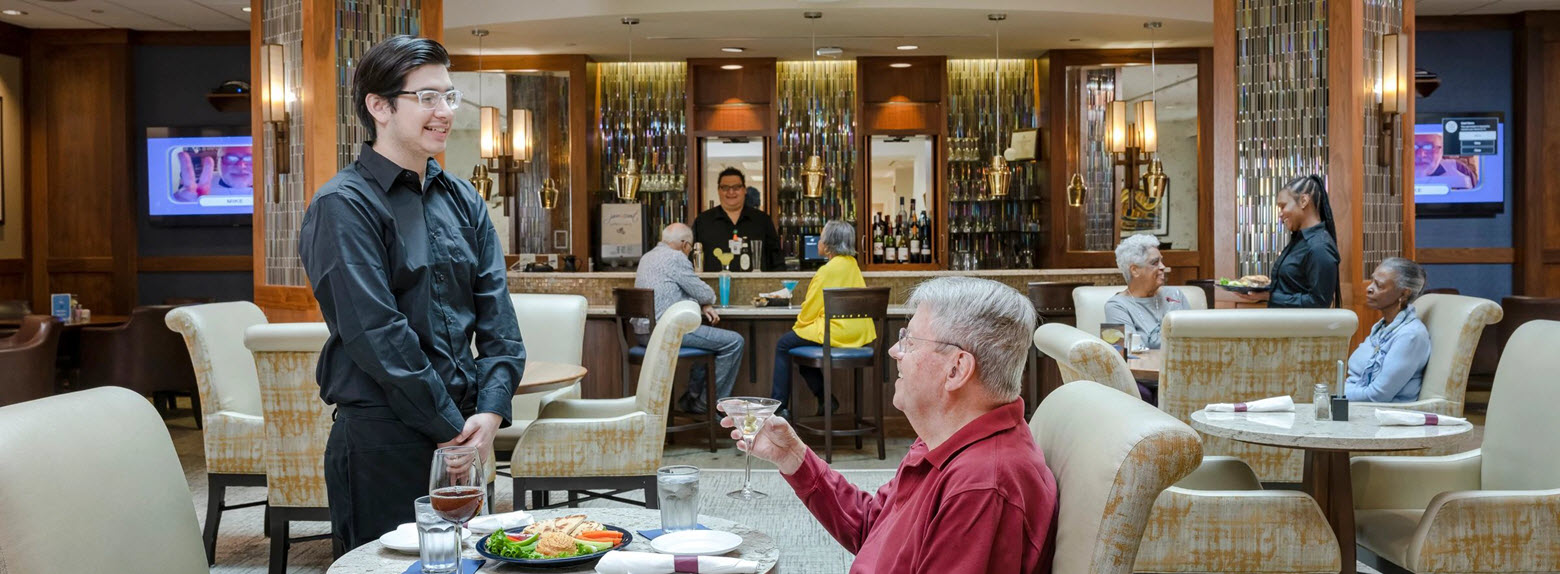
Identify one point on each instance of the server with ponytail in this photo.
(1306, 273)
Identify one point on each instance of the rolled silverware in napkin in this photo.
(618, 562)
(1278, 404)
(507, 521)
(1389, 417)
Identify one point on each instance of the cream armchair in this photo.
(90, 482)
(297, 425)
(1084, 357)
(1455, 323)
(1089, 303)
(605, 444)
(1246, 354)
(1496, 509)
(553, 329)
(1111, 455)
(229, 398)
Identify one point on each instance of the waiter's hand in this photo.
(479, 432)
(710, 314)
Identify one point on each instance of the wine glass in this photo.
(457, 484)
(750, 413)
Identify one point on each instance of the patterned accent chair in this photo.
(1084, 357)
(1220, 356)
(580, 445)
(229, 398)
(297, 424)
(553, 329)
(1494, 509)
(1455, 323)
(1111, 454)
(1089, 303)
(95, 466)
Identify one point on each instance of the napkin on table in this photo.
(618, 562)
(1389, 417)
(507, 521)
(1278, 404)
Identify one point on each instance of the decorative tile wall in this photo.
(1383, 215)
(283, 205)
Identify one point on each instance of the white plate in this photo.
(696, 542)
(404, 538)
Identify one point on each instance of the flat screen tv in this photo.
(199, 176)
(1459, 165)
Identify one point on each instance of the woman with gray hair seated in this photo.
(1142, 306)
(838, 244)
(1390, 365)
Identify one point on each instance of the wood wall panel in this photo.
(1467, 255)
(1537, 94)
(200, 263)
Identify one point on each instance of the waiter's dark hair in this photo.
(382, 71)
(1312, 186)
(731, 171)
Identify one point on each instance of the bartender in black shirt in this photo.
(715, 226)
(408, 272)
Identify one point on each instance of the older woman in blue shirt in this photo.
(1390, 365)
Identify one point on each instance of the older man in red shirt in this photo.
(974, 494)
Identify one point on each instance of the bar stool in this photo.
(1053, 304)
(848, 303)
(640, 304)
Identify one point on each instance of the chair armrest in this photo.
(618, 446)
(569, 392)
(1513, 530)
(1236, 531)
(1437, 406)
(587, 408)
(1410, 482)
(1221, 473)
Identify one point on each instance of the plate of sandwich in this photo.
(1247, 284)
(567, 541)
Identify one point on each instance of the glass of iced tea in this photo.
(456, 483)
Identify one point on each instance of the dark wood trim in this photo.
(1346, 148)
(1529, 103)
(14, 40)
(82, 265)
(1552, 257)
(13, 266)
(287, 304)
(432, 24)
(59, 37)
(1403, 180)
(211, 38)
(1206, 132)
(1466, 22)
(262, 192)
(514, 63)
(196, 263)
(1467, 255)
(36, 73)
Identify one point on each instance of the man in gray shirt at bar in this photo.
(667, 270)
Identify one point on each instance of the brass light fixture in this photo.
(1076, 191)
(273, 111)
(628, 178)
(548, 194)
(1392, 94)
(1155, 183)
(479, 174)
(1137, 144)
(997, 172)
(812, 172)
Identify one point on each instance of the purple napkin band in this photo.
(1432, 420)
(688, 564)
(1240, 407)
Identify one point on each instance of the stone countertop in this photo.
(1300, 429)
(809, 274)
(374, 558)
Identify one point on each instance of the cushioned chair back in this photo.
(1521, 309)
(655, 373)
(552, 326)
(28, 360)
(1090, 303)
(297, 422)
(1111, 455)
(14, 309)
(1084, 357)
(1520, 449)
(144, 354)
(1221, 356)
(224, 368)
(855, 304)
(1455, 323)
(90, 482)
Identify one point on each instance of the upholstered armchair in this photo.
(1246, 354)
(1455, 323)
(297, 424)
(142, 355)
(615, 444)
(27, 359)
(229, 399)
(1111, 455)
(1084, 357)
(553, 329)
(90, 482)
(1089, 303)
(1494, 509)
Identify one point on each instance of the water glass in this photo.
(678, 488)
(438, 540)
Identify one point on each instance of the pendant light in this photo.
(997, 173)
(628, 179)
(1155, 183)
(479, 174)
(812, 171)
(548, 194)
(1076, 191)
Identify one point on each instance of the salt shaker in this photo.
(1323, 401)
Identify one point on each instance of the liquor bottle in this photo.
(915, 237)
(900, 217)
(890, 254)
(903, 242)
(877, 238)
(926, 238)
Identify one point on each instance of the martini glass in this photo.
(750, 413)
(790, 287)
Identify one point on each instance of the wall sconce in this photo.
(491, 142)
(273, 111)
(1391, 93)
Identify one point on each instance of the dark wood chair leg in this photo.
(215, 490)
(828, 414)
(279, 543)
(200, 424)
(713, 423)
(652, 495)
(855, 414)
(266, 520)
(882, 404)
(574, 499)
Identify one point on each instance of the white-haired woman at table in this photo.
(1143, 304)
(1389, 366)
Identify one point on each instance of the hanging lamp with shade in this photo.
(812, 172)
(628, 178)
(998, 174)
(479, 174)
(1155, 183)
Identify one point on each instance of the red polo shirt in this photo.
(982, 502)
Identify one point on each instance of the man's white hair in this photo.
(676, 233)
(1134, 251)
(990, 320)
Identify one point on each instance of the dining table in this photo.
(375, 558)
(1146, 364)
(1327, 444)
(544, 376)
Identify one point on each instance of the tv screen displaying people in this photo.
(200, 175)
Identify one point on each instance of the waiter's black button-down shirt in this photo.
(714, 229)
(1306, 274)
(406, 272)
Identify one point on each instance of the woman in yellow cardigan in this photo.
(838, 243)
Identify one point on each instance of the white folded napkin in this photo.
(1278, 404)
(1389, 417)
(618, 562)
(783, 293)
(508, 521)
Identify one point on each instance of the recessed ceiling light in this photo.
(733, 49)
(731, 67)
(909, 47)
(10, 12)
(899, 65)
(246, 8)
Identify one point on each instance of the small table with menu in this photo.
(374, 558)
(1327, 445)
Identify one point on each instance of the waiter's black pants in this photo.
(375, 467)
